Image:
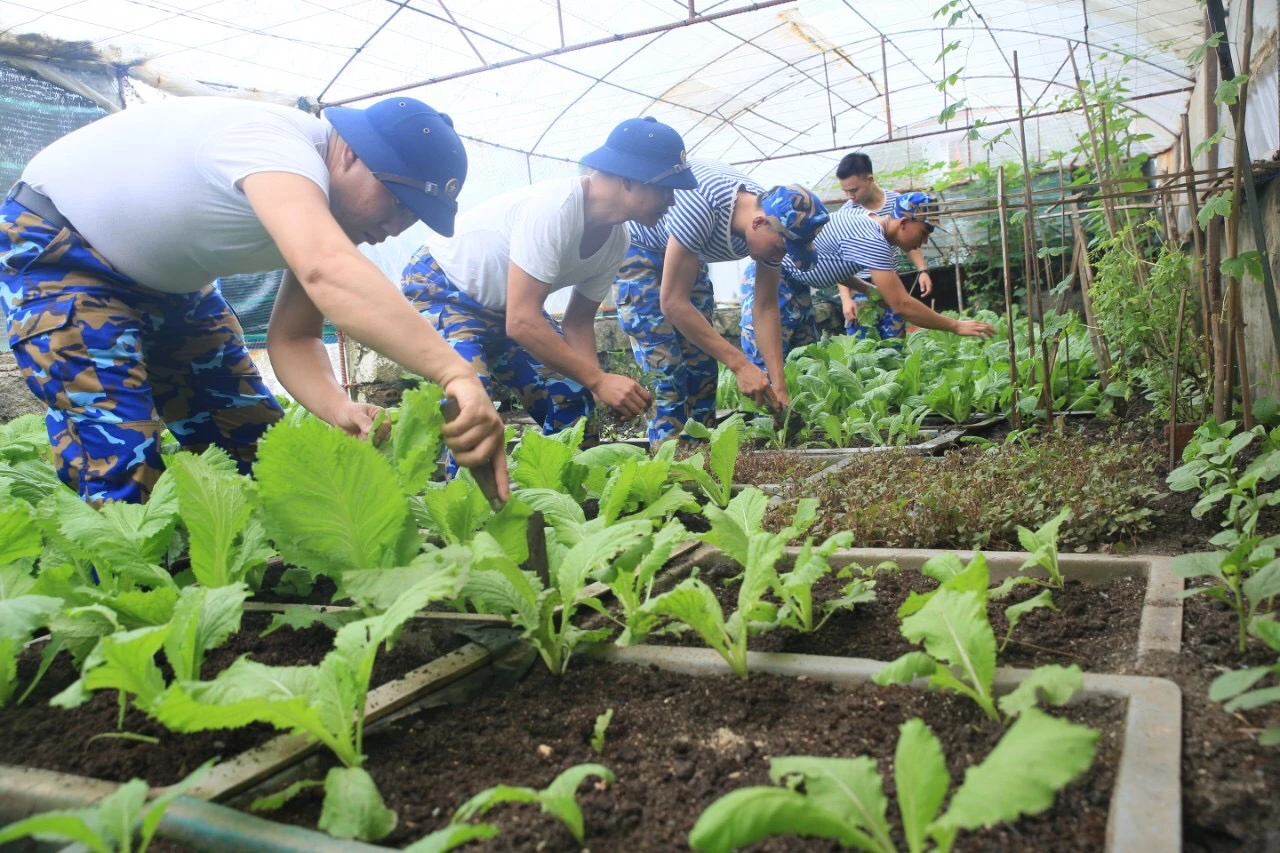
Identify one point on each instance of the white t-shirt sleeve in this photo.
(231, 154)
(540, 235)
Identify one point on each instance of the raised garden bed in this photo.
(682, 738)
(36, 734)
(1113, 613)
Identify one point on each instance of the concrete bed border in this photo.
(1146, 803)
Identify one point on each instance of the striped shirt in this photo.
(850, 242)
(889, 208)
(700, 219)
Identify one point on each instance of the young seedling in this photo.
(123, 822)
(1042, 544)
(960, 648)
(724, 442)
(326, 702)
(1236, 688)
(843, 799)
(1246, 578)
(597, 734)
(557, 799)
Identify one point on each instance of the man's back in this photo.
(152, 188)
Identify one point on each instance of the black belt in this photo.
(39, 204)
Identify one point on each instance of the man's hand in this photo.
(974, 329)
(780, 391)
(475, 436)
(356, 419)
(622, 393)
(925, 282)
(850, 311)
(754, 383)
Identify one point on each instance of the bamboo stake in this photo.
(1029, 240)
(1213, 246)
(1235, 318)
(1101, 349)
(1198, 266)
(1008, 299)
(1177, 378)
(1100, 166)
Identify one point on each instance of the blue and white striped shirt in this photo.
(700, 219)
(889, 208)
(850, 242)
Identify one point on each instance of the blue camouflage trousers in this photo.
(795, 308)
(479, 334)
(115, 362)
(687, 376)
(890, 325)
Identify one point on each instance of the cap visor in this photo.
(437, 215)
(637, 169)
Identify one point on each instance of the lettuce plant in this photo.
(1211, 468)
(1236, 688)
(545, 612)
(1042, 543)
(960, 645)
(110, 826)
(630, 578)
(1246, 578)
(557, 799)
(843, 799)
(326, 702)
(724, 442)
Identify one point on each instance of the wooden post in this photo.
(1235, 318)
(1101, 349)
(884, 73)
(1213, 244)
(1177, 378)
(1008, 297)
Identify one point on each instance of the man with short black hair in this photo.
(111, 243)
(484, 288)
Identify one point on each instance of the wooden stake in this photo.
(1008, 297)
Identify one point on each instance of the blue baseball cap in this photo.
(798, 214)
(917, 205)
(645, 150)
(413, 150)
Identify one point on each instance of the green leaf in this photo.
(1037, 757)
(124, 662)
(542, 462)
(379, 589)
(1243, 264)
(203, 619)
(353, 806)
(1057, 683)
(416, 441)
(847, 786)
(951, 109)
(451, 836)
(953, 628)
(215, 509)
(19, 534)
(1207, 143)
(920, 775)
(160, 804)
(1204, 564)
(455, 510)
(693, 603)
(1235, 682)
(332, 503)
(557, 799)
(747, 815)
(1264, 583)
(1014, 612)
(1253, 699)
(906, 669)
(273, 802)
(601, 726)
(1228, 91)
(1216, 205)
(1270, 737)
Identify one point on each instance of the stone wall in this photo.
(15, 398)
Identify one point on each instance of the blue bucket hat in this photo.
(413, 150)
(645, 150)
(798, 214)
(917, 205)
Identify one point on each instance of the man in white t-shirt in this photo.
(112, 241)
(484, 288)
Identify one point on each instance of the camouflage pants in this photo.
(479, 335)
(890, 326)
(687, 376)
(115, 362)
(795, 308)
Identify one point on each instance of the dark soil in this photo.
(322, 591)
(1095, 626)
(777, 466)
(678, 743)
(1229, 782)
(39, 735)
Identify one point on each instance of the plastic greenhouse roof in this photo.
(779, 87)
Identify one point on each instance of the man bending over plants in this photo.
(856, 243)
(111, 243)
(665, 299)
(484, 288)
